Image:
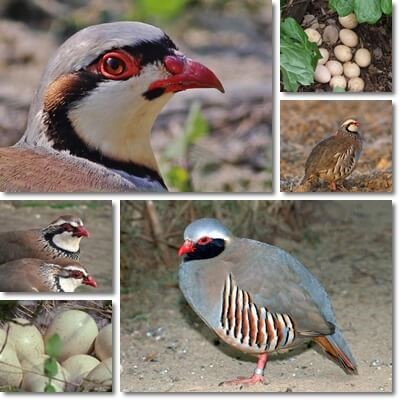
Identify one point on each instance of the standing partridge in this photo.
(334, 158)
(89, 123)
(33, 275)
(256, 297)
(58, 241)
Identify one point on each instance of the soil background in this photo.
(305, 123)
(165, 347)
(96, 251)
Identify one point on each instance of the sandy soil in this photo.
(96, 251)
(305, 123)
(168, 349)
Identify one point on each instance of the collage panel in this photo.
(336, 46)
(56, 346)
(340, 146)
(212, 289)
(56, 246)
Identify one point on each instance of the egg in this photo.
(338, 81)
(362, 57)
(100, 377)
(334, 67)
(27, 339)
(77, 331)
(348, 37)
(10, 367)
(351, 70)
(342, 53)
(356, 84)
(322, 74)
(313, 36)
(325, 56)
(79, 366)
(103, 343)
(349, 21)
(330, 35)
(35, 380)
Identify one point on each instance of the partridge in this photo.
(34, 275)
(89, 123)
(256, 297)
(58, 241)
(334, 158)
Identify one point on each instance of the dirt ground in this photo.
(96, 251)
(166, 348)
(305, 123)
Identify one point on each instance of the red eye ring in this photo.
(204, 240)
(118, 65)
(77, 274)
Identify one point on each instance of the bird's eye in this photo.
(67, 227)
(77, 274)
(118, 65)
(204, 240)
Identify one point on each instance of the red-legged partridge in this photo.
(334, 158)
(33, 275)
(256, 297)
(89, 124)
(58, 241)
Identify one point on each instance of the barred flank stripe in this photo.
(251, 325)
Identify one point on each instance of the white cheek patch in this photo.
(66, 241)
(70, 284)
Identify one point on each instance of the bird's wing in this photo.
(19, 276)
(39, 170)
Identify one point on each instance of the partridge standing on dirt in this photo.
(89, 124)
(334, 158)
(256, 297)
(60, 240)
(33, 275)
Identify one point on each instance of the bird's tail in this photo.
(338, 350)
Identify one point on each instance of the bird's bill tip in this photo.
(187, 247)
(89, 280)
(186, 74)
(81, 231)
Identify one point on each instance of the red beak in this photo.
(89, 281)
(187, 247)
(81, 231)
(186, 74)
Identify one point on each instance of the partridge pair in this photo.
(256, 297)
(44, 260)
(89, 124)
(334, 158)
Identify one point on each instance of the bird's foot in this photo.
(243, 381)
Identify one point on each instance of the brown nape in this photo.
(336, 354)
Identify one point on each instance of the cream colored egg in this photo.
(79, 366)
(100, 377)
(334, 67)
(313, 36)
(348, 37)
(349, 21)
(338, 82)
(27, 339)
(362, 57)
(35, 380)
(322, 74)
(10, 367)
(351, 70)
(356, 85)
(103, 343)
(342, 53)
(325, 56)
(77, 331)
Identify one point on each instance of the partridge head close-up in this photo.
(89, 123)
(256, 297)
(334, 158)
(58, 241)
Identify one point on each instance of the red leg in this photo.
(333, 186)
(258, 375)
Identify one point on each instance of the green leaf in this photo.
(342, 7)
(368, 11)
(54, 346)
(50, 367)
(49, 388)
(386, 6)
(165, 9)
(179, 178)
(338, 89)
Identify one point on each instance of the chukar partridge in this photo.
(89, 123)
(256, 297)
(334, 158)
(58, 241)
(33, 275)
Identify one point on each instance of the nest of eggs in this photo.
(84, 332)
